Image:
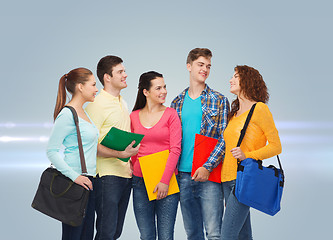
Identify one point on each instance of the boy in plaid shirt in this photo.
(204, 111)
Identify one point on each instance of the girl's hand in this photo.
(162, 190)
(84, 182)
(238, 153)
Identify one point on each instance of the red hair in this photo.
(252, 86)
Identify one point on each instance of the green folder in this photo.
(118, 140)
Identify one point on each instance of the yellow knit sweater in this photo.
(261, 130)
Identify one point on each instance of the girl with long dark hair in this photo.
(162, 129)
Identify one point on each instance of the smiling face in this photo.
(157, 92)
(118, 79)
(89, 89)
(234, 84)
(199, 69)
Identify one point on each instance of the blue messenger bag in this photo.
(258, 186)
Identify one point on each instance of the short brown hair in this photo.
(195, 53)
(105, 65)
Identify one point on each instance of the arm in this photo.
(63, 126)
(217, 155)
(134, 158)
(175, 148)
(266, 123)
(97, 115)
(106, 152)
(175, 139)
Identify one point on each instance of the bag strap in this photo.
(244, 130)
(245, 125)
(280, 164)
(82, 159)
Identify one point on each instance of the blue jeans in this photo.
(236, 222)
(164, 210)
(86, 230)
(202, 207)
(112, 197)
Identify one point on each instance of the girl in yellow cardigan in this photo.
(250, 88)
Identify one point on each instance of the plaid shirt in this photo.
(215, 109)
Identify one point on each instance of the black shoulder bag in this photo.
(58, 196)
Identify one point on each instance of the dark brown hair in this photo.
(105, 65)
(144, 83)
(68, 81)
(195, 53)
(252, 86)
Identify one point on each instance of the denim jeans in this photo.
(201, 206)
(112, 197)
(164, 210)
(236, 222)
(86, 230)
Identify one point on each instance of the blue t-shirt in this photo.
(191, 123)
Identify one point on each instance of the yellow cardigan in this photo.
(260, 130)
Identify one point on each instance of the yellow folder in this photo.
(152, 167)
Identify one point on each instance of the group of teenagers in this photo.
(209, 209)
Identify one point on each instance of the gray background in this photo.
(289, 42)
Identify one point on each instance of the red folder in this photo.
(203, 146)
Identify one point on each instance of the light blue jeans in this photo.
(236, 223)
(201, 206)
(164, 210)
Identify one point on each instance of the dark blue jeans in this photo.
(146, 212)
(112, 197)
(86, 230)
(201, 205)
